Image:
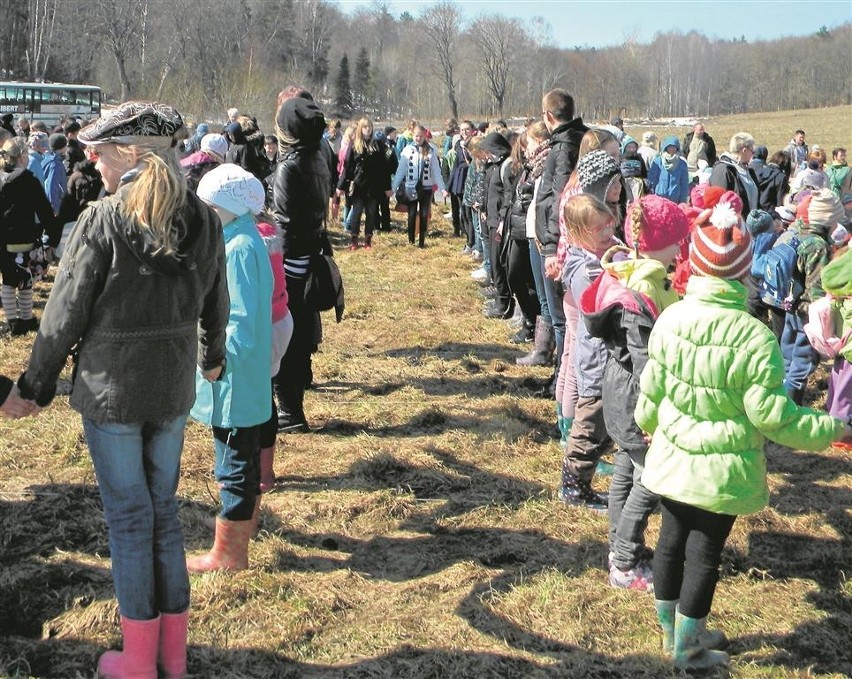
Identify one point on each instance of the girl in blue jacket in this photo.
(238, 402)
(668, 175)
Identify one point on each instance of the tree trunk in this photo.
(122, 75)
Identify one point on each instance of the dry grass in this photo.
(416, 533)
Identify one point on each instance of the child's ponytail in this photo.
(637, 215)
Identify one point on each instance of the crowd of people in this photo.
(683, 297)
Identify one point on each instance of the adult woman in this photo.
(364, 179)
(22, 199)
(300, 199)
(141, 292)
(420, 171)
(732, 172)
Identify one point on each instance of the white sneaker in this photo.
(476, 256)
(480, 275)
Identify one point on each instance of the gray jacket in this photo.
(140, 320)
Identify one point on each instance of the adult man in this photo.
(698, 146)
(839, 176)
(798, 151)
(75, 152)
(557, 112)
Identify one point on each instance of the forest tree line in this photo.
(208, 55)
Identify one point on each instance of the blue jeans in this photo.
(237, 470)
(137, 467)
(800, 359)
(480, 245)
(630, 505)
(537, 264)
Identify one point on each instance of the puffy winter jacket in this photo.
(837, 282)
(21, 200)
(711, 393)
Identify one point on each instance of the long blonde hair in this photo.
(358, 142)
(579, 211)
(156, 195)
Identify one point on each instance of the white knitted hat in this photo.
(215, 144)
(230, 187)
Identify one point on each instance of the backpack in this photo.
(780, 287)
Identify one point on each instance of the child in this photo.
(668, 175)
(591, 224)
(239, 401)
(837, 282)
(712, 391)
(818, 216)
(620, 307)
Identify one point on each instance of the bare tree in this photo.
(41, 22)
(494, 37)
(441, 23)
(119, 24)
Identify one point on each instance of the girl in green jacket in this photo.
(712, 392)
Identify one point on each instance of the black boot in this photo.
(796, 395)
(542, 352)
(291, 413)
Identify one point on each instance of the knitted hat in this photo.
(302, 120)
(631, 166)
(216, 145)
(759, 221)
(825, 208)
(57, 142)
(663, 223)
(722, 248)
(811, 179)
(231, 187)
(136, 122)
(202, 129)
(596, 171)
(705, 196)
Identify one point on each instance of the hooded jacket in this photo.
(140, 319)
(772, 185)
(561, 161)
(84, 186)
(730, 175)
(499, 148)
(22, 199)
(620, 308)
(241, 396)
(669, 183)
(837, 281)
(712, 392)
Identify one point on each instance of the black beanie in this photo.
(302, 120)
(57, 142)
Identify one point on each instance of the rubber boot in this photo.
(173, 627)
(564, 424)
(543, 346)
(230, 548)
(138, 660)
(689, 651)
(267, 474)
(666, 617)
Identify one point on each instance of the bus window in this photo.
(83, 98)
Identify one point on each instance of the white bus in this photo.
(49, 101)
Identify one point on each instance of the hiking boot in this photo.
(640, 577)
(495, 310)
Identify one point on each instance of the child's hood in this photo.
(837, 276)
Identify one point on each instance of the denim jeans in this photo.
(553, 293)
(630, 505)
(800, 359)
(237, 470)
(481, 245)
(537, 264)
(137, 467)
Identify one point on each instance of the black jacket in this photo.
(5, 388)
(246, 153)
(726, 176)
(560, 163)
(84, 186)
(365, 174)
(495, 187)
(711, 147)
(22, 198)
(73, 155)
(300, 200)
(772, 185)
(522, 196)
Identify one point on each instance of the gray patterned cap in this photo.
(136, 122)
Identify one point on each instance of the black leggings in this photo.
(420, 206)
(688, 554)
(521, 280)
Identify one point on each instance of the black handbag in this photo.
(324, 285)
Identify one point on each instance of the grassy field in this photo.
(416, 533)
(829, 127)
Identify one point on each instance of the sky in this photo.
(602, 23)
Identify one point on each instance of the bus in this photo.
(50, 101)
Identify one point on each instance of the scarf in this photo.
(669, 160)
(536, 161)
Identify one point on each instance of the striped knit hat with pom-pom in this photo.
(722, 247)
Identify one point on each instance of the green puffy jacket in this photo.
(711, 393)
(837, 281)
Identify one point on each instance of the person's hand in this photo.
(551, 268)
(15, 406)
(213, 374)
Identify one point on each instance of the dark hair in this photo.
(798, 132)
(518, 155)
(761, 153)
(469, 124)
(782, 160)
(839, 149)
(559, 104)
(482, 127)
(270, 139)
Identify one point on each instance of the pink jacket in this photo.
(276, 257)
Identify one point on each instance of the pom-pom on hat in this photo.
(662, 224)
(825, 208)
(759, 221)
(232, 188)
(216, 145)
(721, 248)
(596, 172)
(136, 122)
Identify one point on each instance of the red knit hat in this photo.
(705, 196)
(663, 223)
(722, 248)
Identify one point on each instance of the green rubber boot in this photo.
(689, 652)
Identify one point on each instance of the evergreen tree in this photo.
(343, 94)
(361, 81)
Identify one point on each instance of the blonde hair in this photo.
(739, 142)
(11, 152)
(358, 142)
(595, 139)
(636, 216)
(155, 196)
(579, 211)
(538, 131)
